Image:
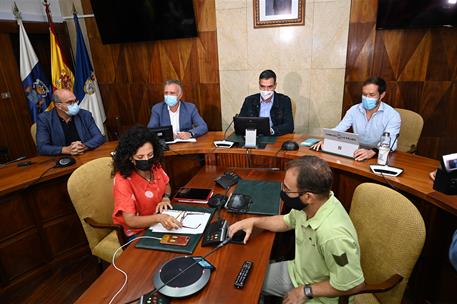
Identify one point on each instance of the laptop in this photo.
(340, 143)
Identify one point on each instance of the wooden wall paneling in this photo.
(414, 67)
(211, 94)
(15, 119)
(181, 169)
(64, 234)
(11, 206)
(47, 235)
(362, 11)
(440, 63)
(32, 255)
(409, 95)
(131, 75)
(360, 53)
(208, 64)
(49, 207)
(352, 94)
(206, 15)
(387, 56)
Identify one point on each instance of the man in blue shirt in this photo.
(370, 119)
(182, 116)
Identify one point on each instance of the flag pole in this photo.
(16, 11)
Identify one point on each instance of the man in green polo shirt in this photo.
(327, 253)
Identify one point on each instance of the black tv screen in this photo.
(397, 14)
(144, 20)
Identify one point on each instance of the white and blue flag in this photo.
(36, 86)
(86, 87)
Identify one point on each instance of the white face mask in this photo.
(266, 94)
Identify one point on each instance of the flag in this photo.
(62, 76)
(34, 82)
(86, 87)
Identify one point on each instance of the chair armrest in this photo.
(374, 288)
(119, 230)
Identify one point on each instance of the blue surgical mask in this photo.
(170, 100)
(73, 109)
(369, 103)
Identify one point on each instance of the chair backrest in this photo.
(91, 191)
(391, 234)
(33, 132)
(410, 132)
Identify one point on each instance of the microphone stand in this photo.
(225, 143)
(391, 150)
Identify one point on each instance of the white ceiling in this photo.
(31, 10)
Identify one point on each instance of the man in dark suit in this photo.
(268, 103)
(182, 116)
(67, 129)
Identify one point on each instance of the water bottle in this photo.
(384, 148)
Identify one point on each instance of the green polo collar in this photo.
(324, 211)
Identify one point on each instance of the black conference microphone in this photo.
(12, 161)
(156, 290)
(395, 140)
(225, 143)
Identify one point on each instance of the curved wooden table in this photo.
(44, 216)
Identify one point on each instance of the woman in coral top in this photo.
(141, 187)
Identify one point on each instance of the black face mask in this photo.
(144, 165)
(293, 203)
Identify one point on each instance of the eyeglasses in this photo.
(183, 214)
(300, 193)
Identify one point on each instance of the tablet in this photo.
(193, 195)
(450, 162)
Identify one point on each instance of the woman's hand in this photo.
(164, 205)
(169, 222)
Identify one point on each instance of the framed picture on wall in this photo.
(268, 13)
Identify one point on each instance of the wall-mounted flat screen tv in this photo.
(398, 14)
(122, 21)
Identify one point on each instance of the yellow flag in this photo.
(62, 76)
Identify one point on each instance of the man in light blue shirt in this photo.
(370, 119)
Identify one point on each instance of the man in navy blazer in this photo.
(268, 103)
(182, 116)
(66, 129)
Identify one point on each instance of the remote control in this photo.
(156, 298)
(243, 274)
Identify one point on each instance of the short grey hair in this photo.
(173, 81)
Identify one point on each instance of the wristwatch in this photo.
(191, 134)
(308, 291)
